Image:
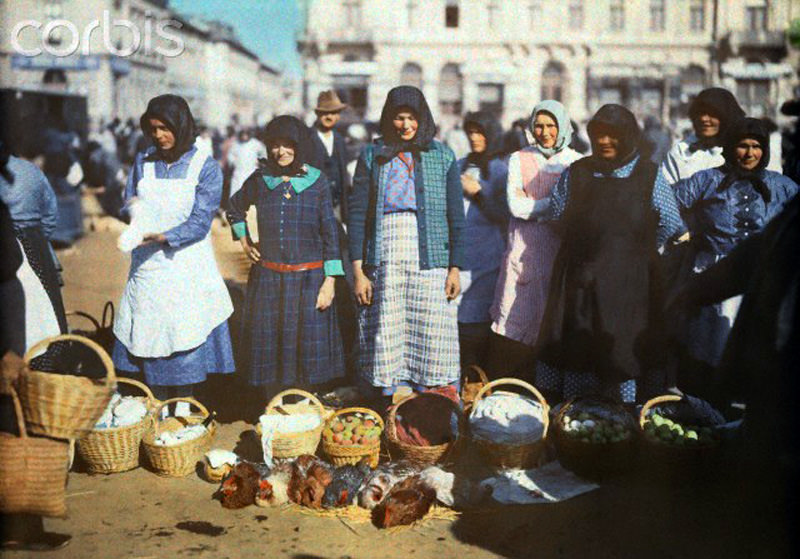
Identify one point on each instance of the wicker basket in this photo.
(33, 471)
(64, 406)
(292, 445)
(509, 456)
(595, 460)
(667, 460)
(215, 475)
(108, 451)
(341, 454)
(470, 389)
(103, 332)
(424, 455)
(181, 459)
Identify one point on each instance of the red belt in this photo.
(278, 267)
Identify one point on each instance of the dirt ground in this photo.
(140, 515)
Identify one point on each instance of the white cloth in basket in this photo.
(507, 418)
(277, 423)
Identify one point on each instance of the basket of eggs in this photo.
(352, 434)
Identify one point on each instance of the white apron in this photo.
(40, 318)
(174, 297)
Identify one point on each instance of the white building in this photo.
(205, 63)
(505, 55)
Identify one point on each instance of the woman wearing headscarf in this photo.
(31, 202)
(290, 334)
(483, 180)
(521, 290)
(172, 324)
(406, 240)
(724, 206)
(711, 112)
(601, 329)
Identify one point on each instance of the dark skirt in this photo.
(285, 338)
(37, 250)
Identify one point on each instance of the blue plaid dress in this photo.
(285, 338)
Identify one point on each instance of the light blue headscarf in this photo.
(557, 111)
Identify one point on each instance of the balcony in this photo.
(758, 40)
(350, 35)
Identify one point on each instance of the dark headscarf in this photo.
(493, 133)
(719, 103)
(288, 128)
(745, 128)
(624, 127)
(410, 98)
(174, 112)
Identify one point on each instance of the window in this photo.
(535, 12)
(492, 13)
(657, 15)
(451, 13)
(490, 98)
(697, 15)
(553, 81)
(753, 95)
(576, 14)
(616, 15)
(411, 7)
(756, 17)
(450, 89)
(411, 74)
(352, 13)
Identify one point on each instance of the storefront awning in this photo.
(757, 70)
(46, 61)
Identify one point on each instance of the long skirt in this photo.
(410, 331)
(215, 355)
(571, 384)
(285, 339)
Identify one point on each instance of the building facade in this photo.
(505, 55)
(126, 54)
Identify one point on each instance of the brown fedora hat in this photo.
(329, 102)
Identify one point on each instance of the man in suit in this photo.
(329, 154)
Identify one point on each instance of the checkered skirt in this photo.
(410, 331)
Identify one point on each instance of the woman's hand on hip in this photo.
(326, 293)
(452, 287)
(250, 250)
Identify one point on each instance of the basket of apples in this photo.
(351, 434)
(595, 437)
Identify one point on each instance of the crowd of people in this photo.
(584, 274)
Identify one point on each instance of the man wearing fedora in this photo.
(330, 155)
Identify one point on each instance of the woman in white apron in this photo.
(172, 322)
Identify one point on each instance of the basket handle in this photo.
(140, 385)
(111, 376)
(654, 402)
(87, 316)
(480, 372)
(371, 413)
(108, 309)
(157, 411)
(277, 400)
(521, 383)
(23, 434)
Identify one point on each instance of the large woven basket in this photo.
(64, 406)
(112, 450)
(341, 454)
(181, 459)
(595, 460)
(470, 388)
(666, 460)
(292, 445)
(425, 455)
(33, 471)
(511, 456)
